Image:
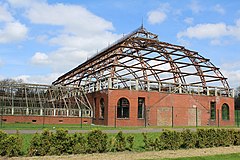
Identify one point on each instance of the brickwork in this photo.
(162, 109)
(46, 120)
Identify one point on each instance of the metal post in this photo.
(81, 117)
(145, 116)
(172, 117)
(218, 117)
(115, 117)
(2, 115)
(44, 116)
(237, 118)
(196, 117)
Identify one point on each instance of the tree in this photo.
(7, 82)
(237, 98)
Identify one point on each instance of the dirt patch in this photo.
(141, 155)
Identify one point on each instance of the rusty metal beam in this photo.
(140, 54)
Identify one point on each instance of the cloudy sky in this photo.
(42, 39)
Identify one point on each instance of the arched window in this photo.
(123, 108)
(101, 113)
(225, 112)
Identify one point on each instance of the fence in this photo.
(237, 118)
(172, 116)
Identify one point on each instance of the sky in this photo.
(43, 39)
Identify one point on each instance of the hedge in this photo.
(60, 142)
(202, 138)
(10, 145)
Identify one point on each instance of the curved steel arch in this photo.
(180, 60)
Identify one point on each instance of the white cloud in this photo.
(233, 77)
(80, 35)
(38, 79)
(13, 31)
(75, 19)
(189, 20)
(231, 70)
(159, 15)
(213, 31)
(195, 6)
(10, 29)
(5, 16)
(40, 58)
(24, 3)
(156, 17)
(219, 9)
(65, 59)
(202, 31)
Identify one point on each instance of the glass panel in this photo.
(213, 111)
(225, 112)
(141, 102)
(123, 108)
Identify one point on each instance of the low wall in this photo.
(46, 119)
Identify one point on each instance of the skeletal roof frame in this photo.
(140, 55)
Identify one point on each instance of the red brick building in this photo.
(139, 81)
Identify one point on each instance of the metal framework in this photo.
(43, 100)
(140, 61)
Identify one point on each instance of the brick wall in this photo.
(163, 109)
(46, 120)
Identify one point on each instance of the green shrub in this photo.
(151, 144)
(79, 143)
(120, 142)
(231, 137)
(3, 135)
(60, 143)
(148, 143)
(237, 137)
(211, 138)
(225, 137)
(171, 140)
(201, 138)
(10, 145)
(111, 145)
(40, 144)
(157, 144)
(96, 142)
(130, 142)
(189, 139)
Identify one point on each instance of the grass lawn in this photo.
(234, 156)
(26, 142)
(30, 126)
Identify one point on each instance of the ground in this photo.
(141, 155)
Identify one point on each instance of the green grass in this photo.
(234, 156)
(26, 142)
(30, 126)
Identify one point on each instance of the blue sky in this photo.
(42, 39)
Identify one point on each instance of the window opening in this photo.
(141, 104)
(123, 108)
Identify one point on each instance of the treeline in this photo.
(61, 142)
